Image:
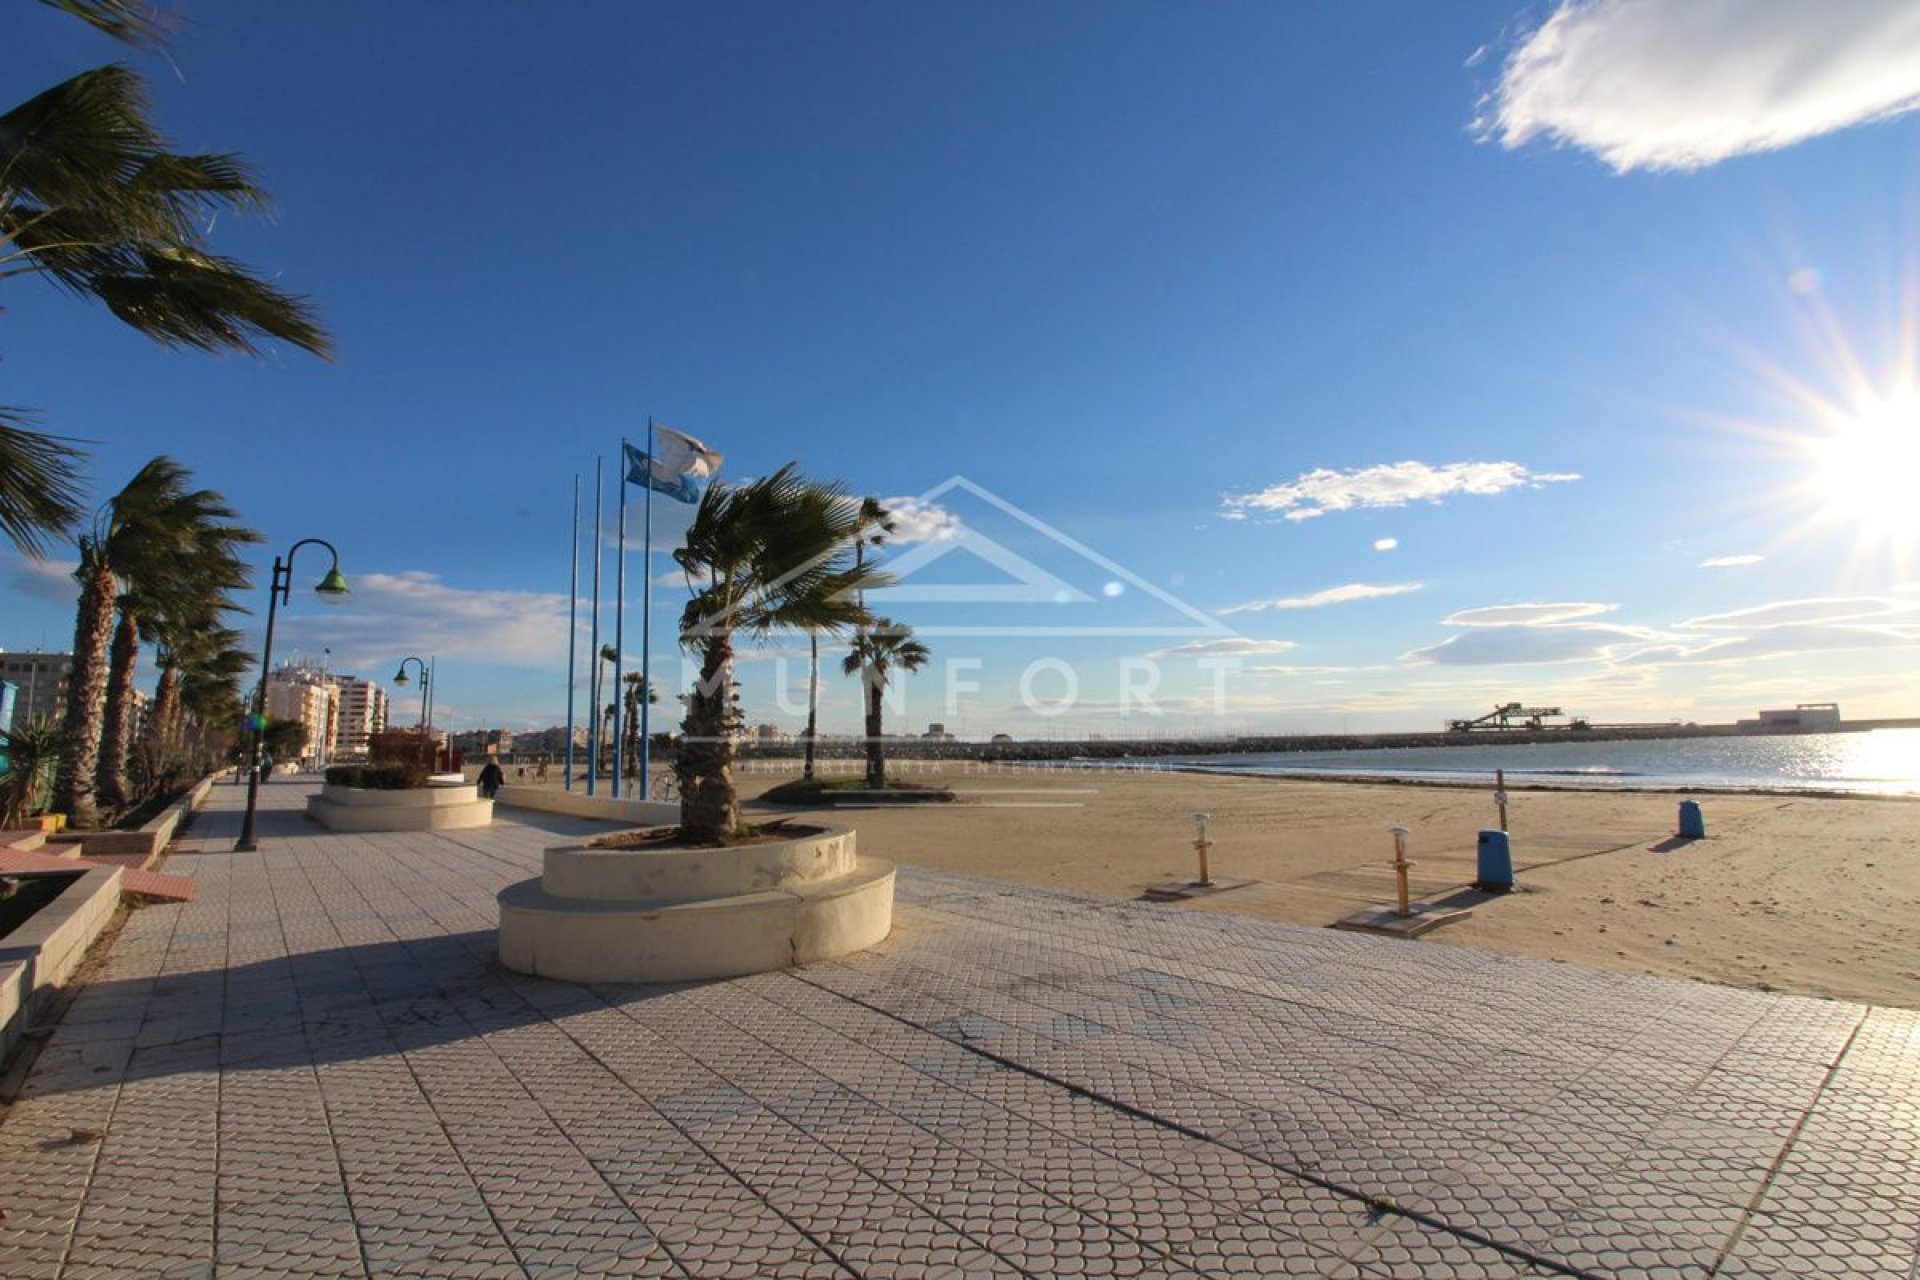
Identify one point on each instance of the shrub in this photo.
(377, 777)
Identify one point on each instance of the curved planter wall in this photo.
(627, 915)
(437, 808)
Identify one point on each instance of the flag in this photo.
(679, 468)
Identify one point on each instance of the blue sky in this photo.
(1431, 351)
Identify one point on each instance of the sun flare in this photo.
(1866, 467)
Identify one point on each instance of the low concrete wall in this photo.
(148, 842)
(683, 875)
(421, 809)
(577, 804)
(39, 956)
(635, 915)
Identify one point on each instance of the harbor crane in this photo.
(1514, 715)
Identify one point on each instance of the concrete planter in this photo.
(37, 958)
(672, 915)
(436, 808)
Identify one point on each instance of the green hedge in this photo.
(377, 777)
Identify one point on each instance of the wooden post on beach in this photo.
(1500, 795)
(1400, 865)
(1200, 846)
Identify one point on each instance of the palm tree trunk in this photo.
(876, 755)
(709, 806)
(116, 726)
(813, 701)
(161, 729)
(86, 699)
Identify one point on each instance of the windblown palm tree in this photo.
(875, 525)
(771, 555)
(877, 650)
(92, 200)
(39, 484)
(159, 537)
(187, 584)
(188, 651)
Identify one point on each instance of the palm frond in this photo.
(39, 484)
(128, 21)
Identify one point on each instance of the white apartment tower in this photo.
(363, 713)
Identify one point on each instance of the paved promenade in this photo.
(317, 1069)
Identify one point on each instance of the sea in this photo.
(1875, 762)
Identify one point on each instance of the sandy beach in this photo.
(1810, 895)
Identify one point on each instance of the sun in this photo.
(1866, 467)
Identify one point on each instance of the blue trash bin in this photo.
(1496, 863)
(1692, 825)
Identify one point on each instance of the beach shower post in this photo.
(1200, 846)
(1400, 865)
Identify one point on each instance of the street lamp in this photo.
(331, 589)
(426, 683)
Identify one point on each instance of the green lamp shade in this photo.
(333, 586)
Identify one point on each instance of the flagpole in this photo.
(573, 621)
(646, 632)
(620, 625)
(593, 680)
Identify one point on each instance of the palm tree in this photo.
(636, 682)
(875, 525)
(32, 749)
(187, 565)
(92, 200)
(154, 531)
(761, 557)
(39, 484)
(877, 650)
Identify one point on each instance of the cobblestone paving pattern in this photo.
(317, 1069)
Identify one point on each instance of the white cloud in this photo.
(1385, 544)
(1233, 646)
(917, 520)
(391, 615)
(1315, 493)
(49, 580)
(1729, 562)
(1526, 615)
(1680, 84)
(1497, 646)
(1332, 595)
(1785, 613)
(1778, 641)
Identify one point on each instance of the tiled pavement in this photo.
(316, 1069)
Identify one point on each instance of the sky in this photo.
(1234, 367)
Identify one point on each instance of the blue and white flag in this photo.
(679, 468)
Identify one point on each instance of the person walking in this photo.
(490, 779)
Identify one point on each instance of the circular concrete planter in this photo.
(436, 808)
(672, 915)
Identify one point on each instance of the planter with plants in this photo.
(395, 791)
(716, 897)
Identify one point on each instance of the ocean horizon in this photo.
(1875, 762)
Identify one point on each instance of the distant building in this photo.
(306, 694)
(1807, 715)
(42, 682)
(362, 713)
(937, 732)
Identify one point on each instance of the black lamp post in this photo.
(331, 589)
(426, 683)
